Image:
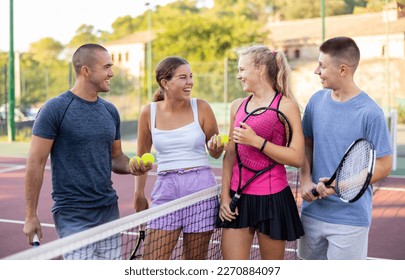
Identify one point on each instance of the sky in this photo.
(59, 19)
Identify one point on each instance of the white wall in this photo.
(132, 57)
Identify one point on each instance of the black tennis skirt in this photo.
(275, 215)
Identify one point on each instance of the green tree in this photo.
(205, 41)
(44, 73)
(3, 77)
(372, 6)
(352, 4)
(45, 50)
(85, 34)
(160, 16)
(124, 26)
(297, 9)
(252, 10)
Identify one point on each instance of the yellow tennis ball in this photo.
(138, 159)
(148, 157)
(223, 139)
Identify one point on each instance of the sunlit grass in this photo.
(21, 135)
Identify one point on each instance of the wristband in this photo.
(264, 145)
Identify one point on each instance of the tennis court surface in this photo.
(386, 241)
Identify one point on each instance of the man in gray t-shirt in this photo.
(335, 117)
(81, 132)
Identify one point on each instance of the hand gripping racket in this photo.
(141, 238)
(35, 241)
(270, 124)
(354, 172)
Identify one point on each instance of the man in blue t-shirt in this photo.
(81, 132)
(334, 117)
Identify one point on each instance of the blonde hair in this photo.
(278, 70)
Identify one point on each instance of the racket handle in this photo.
(232, 206)
(234, 201)
(314, 192)
(35, 241)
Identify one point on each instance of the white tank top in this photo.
(180, 148)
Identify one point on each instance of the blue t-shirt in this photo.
(83, 134)
(333, 126)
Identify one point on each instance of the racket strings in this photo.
(354, 171)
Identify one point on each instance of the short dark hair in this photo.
(84, 55)
(343, 48)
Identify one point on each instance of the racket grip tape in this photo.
(314, 192)
(234, 202)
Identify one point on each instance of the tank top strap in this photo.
(244, 103)
(275, 103)
(194, 107)
(152, 115)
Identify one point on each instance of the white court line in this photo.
(11, 168)
(23, 222)
(15, 167)
(399, 189)
(396, 176)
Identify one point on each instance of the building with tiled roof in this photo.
(373, 32)
(129, 52)
(380, 37)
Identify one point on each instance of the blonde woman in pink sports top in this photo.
(266, 207)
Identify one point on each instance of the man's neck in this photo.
(84, 93)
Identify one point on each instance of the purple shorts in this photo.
(172, 185)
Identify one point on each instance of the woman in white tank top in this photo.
(181, 131)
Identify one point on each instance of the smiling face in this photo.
(328, 70)
(248, 75)
(101, 71)
(181, 83)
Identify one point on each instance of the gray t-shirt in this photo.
(333, 126)
(83, 134)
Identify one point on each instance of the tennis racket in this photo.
(353, 174)
(135, 254)
(270, 124)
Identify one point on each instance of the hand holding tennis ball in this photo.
(138, 159)
(222, 139)
(135, 166)
(148, 157)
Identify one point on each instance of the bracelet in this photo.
(264, 145)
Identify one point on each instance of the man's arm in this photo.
(382, 168)
(120, 162)
(144, 145)
(306, 172)
(34, 174)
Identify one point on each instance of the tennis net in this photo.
(117, 239)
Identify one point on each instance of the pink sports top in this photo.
(270, 182)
